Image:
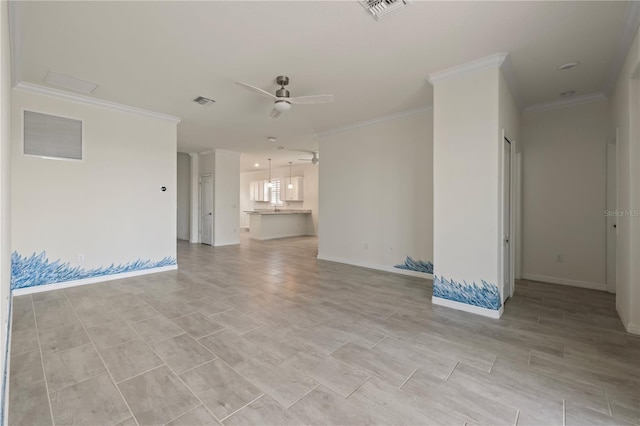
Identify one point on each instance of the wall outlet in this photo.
(81, 258)
(366, 246)
(559, 258)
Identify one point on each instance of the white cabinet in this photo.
(258, 190)
(296, 193)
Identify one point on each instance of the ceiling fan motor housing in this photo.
(282, 80)
(282, 93)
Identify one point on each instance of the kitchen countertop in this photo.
(274, 212)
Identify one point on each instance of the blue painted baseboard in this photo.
(484, 295)
(36, 270)
(416, 265)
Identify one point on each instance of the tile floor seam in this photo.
(140, 374)
(177, 376)
(379, 341)
(44, 373)
(113, 381)
(246, 405)
(358, 387)
(495, 357)
(341, 346)
(606, 394)
(204, 363)
(452, 370)
(306, 393)
(68, 350)
(411, 375)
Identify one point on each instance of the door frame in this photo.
(200, 222)
(611, 201)
(513, 238)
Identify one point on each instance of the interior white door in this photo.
(206, 209)
(612, 160)
(506, 231)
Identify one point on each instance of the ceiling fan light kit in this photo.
(282, 100)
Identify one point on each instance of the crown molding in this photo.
(510, 78)
(373, 121)
(492, 61)
(561, 103)
(15, 40)
(629, 28)
(86, 100)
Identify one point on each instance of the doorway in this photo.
(206, 209)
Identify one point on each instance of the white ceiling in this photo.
(160, 55)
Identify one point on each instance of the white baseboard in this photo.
(226, 243)
(564, 281)
(632, 328)
(75, 283)
(377, 267)
(491, 313)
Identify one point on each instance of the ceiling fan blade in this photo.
(304, 159)
(256, 90)
(312, 99)
(274, 113)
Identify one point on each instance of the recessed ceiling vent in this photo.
(380, 8)
(203, 101)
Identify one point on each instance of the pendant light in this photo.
(290, 186)
(269, 184)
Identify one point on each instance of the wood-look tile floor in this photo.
(265, 334)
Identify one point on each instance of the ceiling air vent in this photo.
(380, 8)
(203, 101)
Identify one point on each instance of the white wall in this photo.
(376, 193)
(109, 206)
(565, 194)
(5, 186)
(183, 190)
(310, 191)
(467, 195)
(226, 198)
(625, 115)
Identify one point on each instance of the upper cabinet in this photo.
(296, 192)
(258, 190)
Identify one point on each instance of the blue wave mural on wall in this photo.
(36, 270)
(484, 295)
(416, 265)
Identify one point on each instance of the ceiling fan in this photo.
(283, 100)
(314, 160)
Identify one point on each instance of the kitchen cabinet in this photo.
(296, 193)
(258, 190)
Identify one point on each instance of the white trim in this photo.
(373, 121)
(632, 328)
(564, 281)
(227, 243)
(561, 103)
(377, 267)
(492, 61)
(15, 40)
(629, 28)
(510, 78)
(94, 280)
(86, 100)
(491, 313)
